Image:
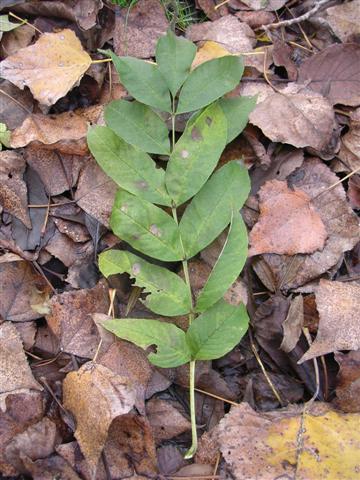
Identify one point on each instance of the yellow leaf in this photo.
(321, 444)
(50, 67)
(209, 51)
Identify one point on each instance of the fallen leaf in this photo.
(59, 172)
(169, 459)
(268, 445)
(83, 12)
(13, 41)
(282, 54)
(95, 192)
(71, 319)
(268, 5)
(50, 68)
(208, 7)
(344, 19)
(138, 29)
(11, 113)
(21, 287)
(13, 191)
(354, 191)
(293, 324)
(15, 373)
(303, 119)
(37, 441)
(21, 410)
(50, 468)
(67, 251)
(256, 19)
(341, 224)
(334, 73)
(350, 143)
(165, 419)
(338, 304)
(228, 31)
(208, 51)
(348, 382)
(27, 332)
(95, 396)
(288, 222)
(65, 132)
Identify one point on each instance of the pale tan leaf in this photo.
(344, 19)
(50, 67)
(95, 396)
(15, 373)
(293, 324)
(338, 304)
(288, 222)
(303, 119)
(165, 419)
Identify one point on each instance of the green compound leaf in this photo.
(174, 56)
(196, 154)
(143, 81)
(131, 169)
(138, 125)
(217, 331)
(168, 294)
(209, 81)
(228, 266)
(210, 210)
(172, 349)
(145, 227)
(237, 111)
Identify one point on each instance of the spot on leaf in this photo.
(196, 135)
(184, 154)
(136, 269)
(155, 230)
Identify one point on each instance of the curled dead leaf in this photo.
(50, 67)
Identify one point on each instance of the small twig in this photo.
(301, 30)
(217, 463)
(221, 4)
(39, 269)
(111, 311)
(294, 21)
(102, 60)
(26, 22)
(225, 400)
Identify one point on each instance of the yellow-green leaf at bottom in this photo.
(171, 347)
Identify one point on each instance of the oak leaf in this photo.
(288, 223)
(50, 67)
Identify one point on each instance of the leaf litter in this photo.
(303, 272)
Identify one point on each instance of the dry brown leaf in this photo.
(348, 381)
(338, 304)
(288, 222)
(95, 192)
(344, 20)
(228, 31)
(342, 226)
(50, 468)
(16, 39)
(303, 119)
(13, 191)
(95, 396)
(268, 445)
(37, 441)
(75, 231)
(65, 132)
(293, 324)
(334, 73)
(267, 5)
(165, 419)
(67, 251)
(15, 373)
(138, 29)
(71, 319)
(350, 143)
(22, 410)
(21, 288)
(354, 191)
(11, 113)
(208, 7)
(256, 19)
(27, 332)
(50, 68)
(59, 172)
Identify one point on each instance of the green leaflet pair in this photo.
(136, 129)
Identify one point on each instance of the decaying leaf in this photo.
(288, 222)
(208, 7)
(228, 31)
(293, 324)
(344, 20)
(11, 113)
(13, 191)
(348, 381)
(165, 419)
(354, 191)
(15, 373)
(350, 143)
(208, 51)
(270, 445)
(50, 67)
(21, 289)
(95, 396)
(71, 321)
(341, 224)
(338, 304)
(65, 132)
(334, 73)
(303, 119)
(137, 30)
(16, 39)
